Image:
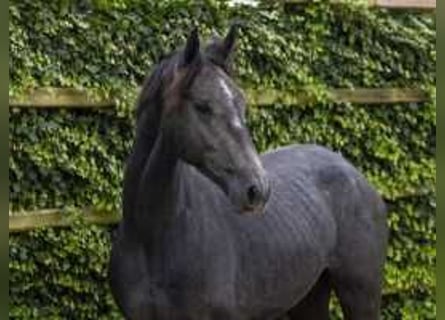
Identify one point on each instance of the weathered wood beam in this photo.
(404, 4)
(378, 96)
(58, 98)
(358, 96)
(388, 4)
(72, 98)
(57, 218)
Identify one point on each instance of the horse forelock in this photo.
(179, 86)
(166, 88)
(168, 81)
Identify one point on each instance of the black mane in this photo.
(154, 84)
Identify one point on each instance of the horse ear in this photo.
(229, 41)
(191, 51)
(220, 51)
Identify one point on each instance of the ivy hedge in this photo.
(74, 158)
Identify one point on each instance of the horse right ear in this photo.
(229, 41)
(220, 50)
(191, 50)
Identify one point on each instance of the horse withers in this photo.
(211, 230)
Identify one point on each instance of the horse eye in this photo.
(203, 108)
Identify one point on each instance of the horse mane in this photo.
(150, 103)
(149, 108)
(154, 84)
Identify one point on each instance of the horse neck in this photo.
(156, 194)
(146, 135)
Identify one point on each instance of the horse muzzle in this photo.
(250, 196)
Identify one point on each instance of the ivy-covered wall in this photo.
(61, 158)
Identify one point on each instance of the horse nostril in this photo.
(253, 193)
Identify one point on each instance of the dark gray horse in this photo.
(194, 242)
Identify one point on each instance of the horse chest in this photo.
(185, 278)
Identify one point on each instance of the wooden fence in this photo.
(404, 4)
(74, 98)
(77, 98)
(388, 4)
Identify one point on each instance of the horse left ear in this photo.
(191, 50)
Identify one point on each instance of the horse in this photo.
(212, 230)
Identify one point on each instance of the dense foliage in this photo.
(63, 158)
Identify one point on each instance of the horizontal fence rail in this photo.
(77, 98)
(58, 98)
(26, 221)
(404, 4)
(388, 4)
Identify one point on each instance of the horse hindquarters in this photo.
(357, 271)
(356, 259)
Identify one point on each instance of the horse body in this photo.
(214, 264)
(183, 252)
